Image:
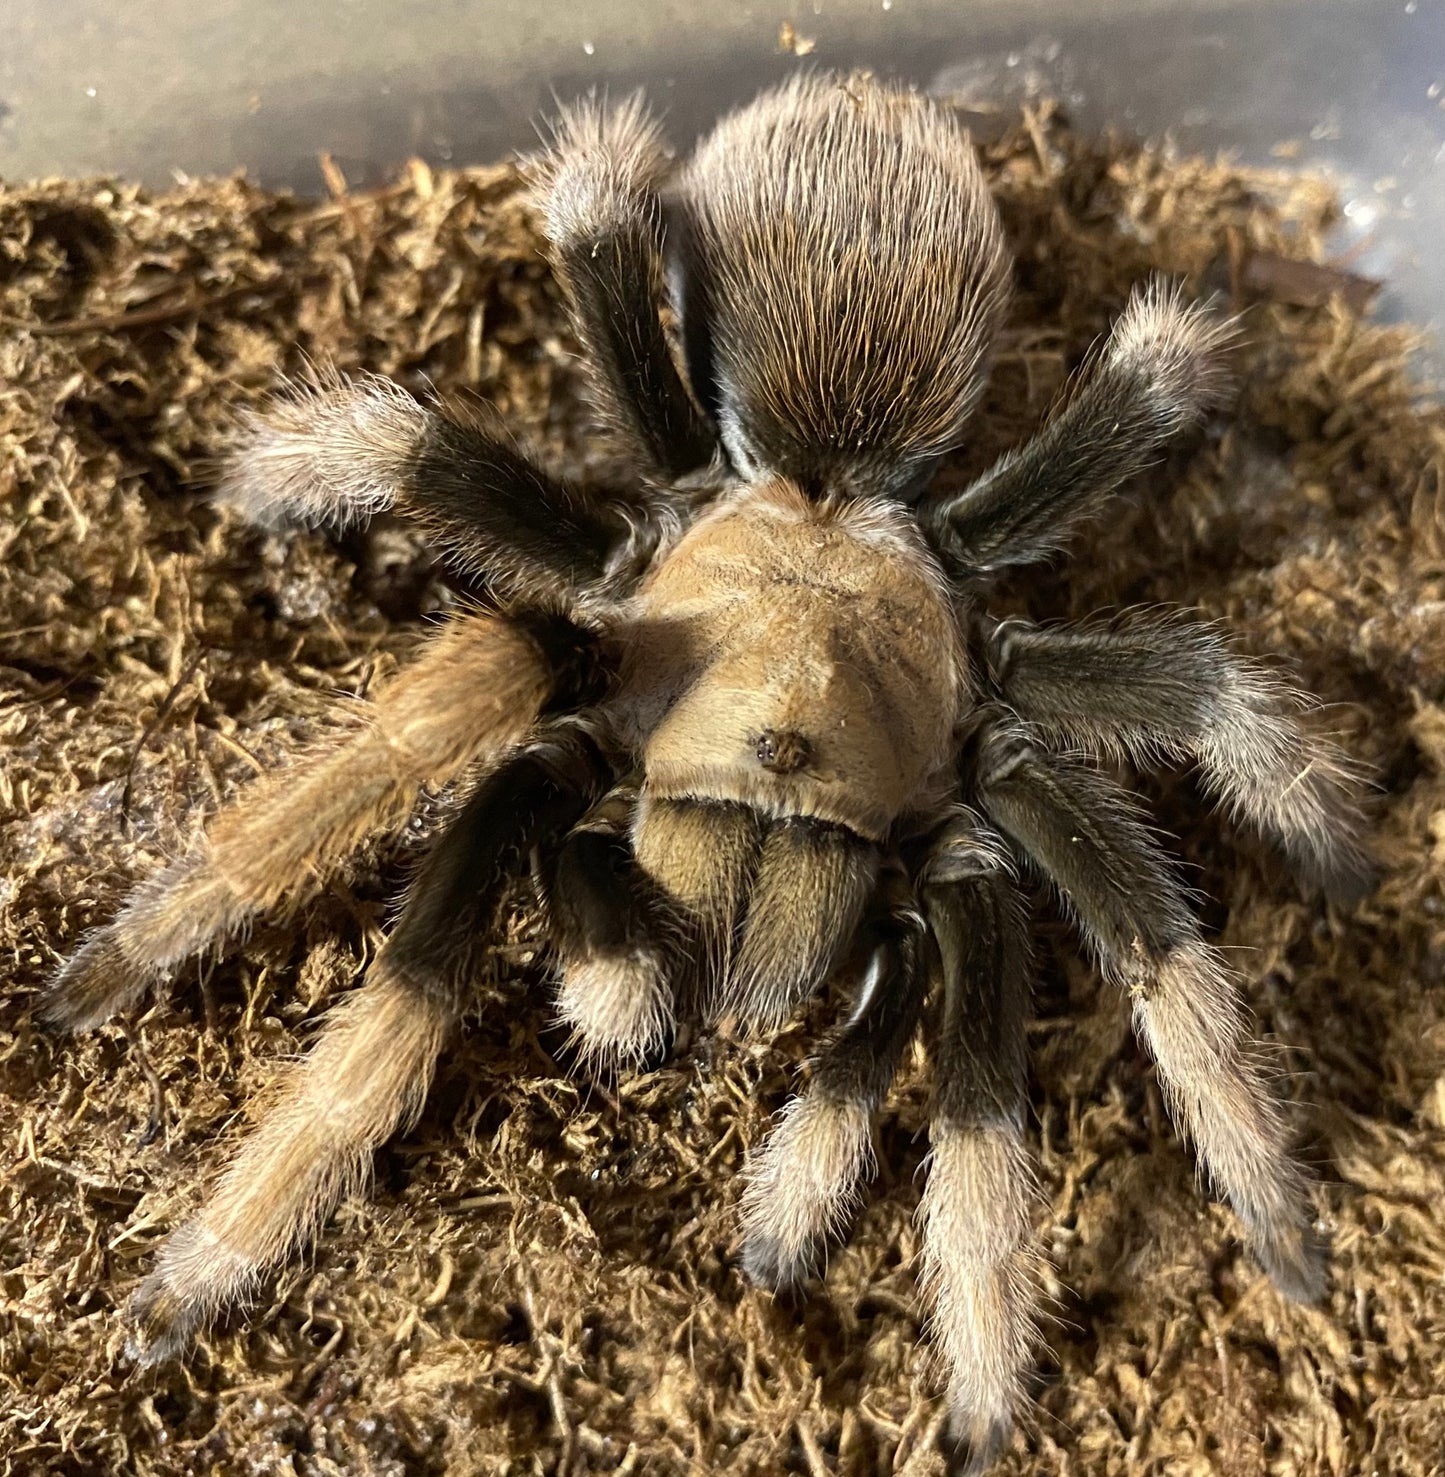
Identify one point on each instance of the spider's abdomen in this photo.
(799, 657)
(843, 275)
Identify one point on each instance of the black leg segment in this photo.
(979, 1259)
(805, 1181)
(1157, 373)
(602, 214)
(526, 802)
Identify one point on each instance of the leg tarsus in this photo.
(1346, 875)
(95, 983)
(979, 1267)
(1187, 1012)
(802, 1187)
(619, 1009)
(978, 1441)
(1297, 1262)
(1294, 1255)
(804, 1182)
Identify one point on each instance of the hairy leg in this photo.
(610, 936)
(601, 212)
(702, 855)
(336, 449)
(812, 882)
(804, 1182)
(1148, 685)
(474, 691)
(1084, 834)
(369, 1072)
(1157, 373)
(979, 1260)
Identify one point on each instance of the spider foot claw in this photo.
(978, 1438)
(771, 1265)
(1297, 1260)
(163, 1324)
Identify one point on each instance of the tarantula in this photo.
(748, 725)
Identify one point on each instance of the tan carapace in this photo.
(800, 657)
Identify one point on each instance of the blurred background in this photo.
(1352, 87)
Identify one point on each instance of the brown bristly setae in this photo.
(366, 1078)
(293, 827)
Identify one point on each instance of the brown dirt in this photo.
(544, 1278)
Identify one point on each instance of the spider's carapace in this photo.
(828, 622)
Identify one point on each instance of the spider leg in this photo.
(979, 1261)
(1151, 686)
(774, 905)
(369, 1071)
(608, 932)
(336, 449)
(702, 855)
(812, 881)
(1084, 835)
(1156, 374)
(602, 215)
(804, 1182)
(474, 691)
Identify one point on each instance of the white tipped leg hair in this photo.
(609, 931)
(597, 190)
(1154, 687)
(1083, 833)
(1156, 373)
(803, 1184)
(980, 1262)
